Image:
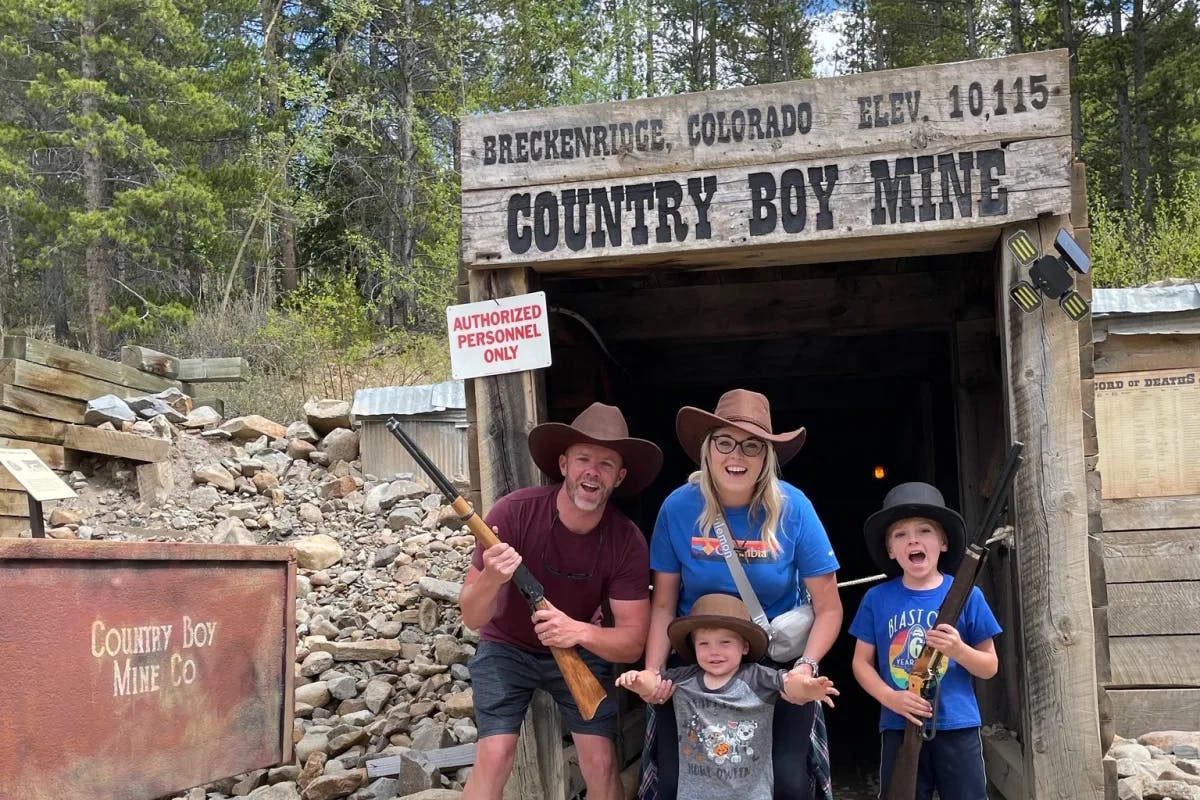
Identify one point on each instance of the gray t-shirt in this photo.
(725, 734)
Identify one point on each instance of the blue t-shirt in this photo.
(894, 618)
(678, 547)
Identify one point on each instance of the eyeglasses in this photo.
(562, 573)
(751, 448)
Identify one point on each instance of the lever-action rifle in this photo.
(923, 676)
(585, 689)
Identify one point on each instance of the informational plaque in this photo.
(1148, 424)
(135, 670)
(33, 474)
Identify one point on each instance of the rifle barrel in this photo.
(428, 467)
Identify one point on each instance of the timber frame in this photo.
(1038, 390)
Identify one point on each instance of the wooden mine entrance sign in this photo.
(688, 179)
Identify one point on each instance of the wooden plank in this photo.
(60, 382)
(1150, 513)
(1138, 711)
(1004, 762)
(1142, 556)
(152, 361)
(37, 429)
(898, 109)
(41, 404)
(444, 758)
(668, 316)
(63, 358)
(1146, 352)
(52, 455)
(14, 503)
(13, 527)
(1060, 710)
(210, 370)
(1154, 660)
(116, 443)
(832, 200)
(539, 770)
(1147, 422)
(1142, 609)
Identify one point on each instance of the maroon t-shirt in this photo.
(578, 571)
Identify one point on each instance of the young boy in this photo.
(723, 704)
(919, 542)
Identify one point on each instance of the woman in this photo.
(786, 555)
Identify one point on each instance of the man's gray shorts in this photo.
(503, 678)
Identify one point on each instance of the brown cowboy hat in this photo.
(602, 425)
(716, 611)
(740, 408)
(915, 499)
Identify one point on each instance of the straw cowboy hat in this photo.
(716, 611)
(742, 409)
(915, 500)
(602, 425)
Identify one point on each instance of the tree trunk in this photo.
(1124, 120)
(972, 30)
(408, 166)
(96, 255)
(1145, 188)
(1072, 45)
(1016, 22)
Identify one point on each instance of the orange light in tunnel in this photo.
(880, 473)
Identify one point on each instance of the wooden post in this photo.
(37, 522)
(1060, 720)
(507, 407)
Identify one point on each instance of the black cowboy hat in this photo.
(915, 500)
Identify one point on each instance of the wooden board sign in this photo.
(922, 150)
(137, 669)
(1148, 425)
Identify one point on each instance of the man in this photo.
(584, 552)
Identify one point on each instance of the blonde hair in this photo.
(766, 502)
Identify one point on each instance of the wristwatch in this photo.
(810, 661)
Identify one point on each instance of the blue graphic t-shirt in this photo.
(894, 618)
(678, 546)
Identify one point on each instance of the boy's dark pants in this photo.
(951, 762)
(790, 732)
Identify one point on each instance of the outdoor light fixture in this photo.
(1049, 275)
(880, 473)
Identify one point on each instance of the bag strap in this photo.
(739, 576)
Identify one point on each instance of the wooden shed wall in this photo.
(1151, 553)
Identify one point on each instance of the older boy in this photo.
(915, 539)
(724, 701)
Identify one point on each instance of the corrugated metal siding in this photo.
(443, 439)
(380, 401)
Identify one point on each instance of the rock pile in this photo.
(1164, 765)
(381, 651)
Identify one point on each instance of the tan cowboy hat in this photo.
(716, 611)
(602, 425)
(740, 408)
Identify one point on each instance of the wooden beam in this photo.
(212, 370)
(52, 455)
(1168, 608)
(14, 503)
(1004, 762)
(1140, 556)
(1140, 352)
(507, 407)
(41, 404)
(1154, 661)
(1150, 513)
(539, 771)
(115, 443)
(59, 381)
(101, 369)
(13, 527)
(1138, 711)
(1060, 711)
(37, 429)
(152, 361)
(764, 310)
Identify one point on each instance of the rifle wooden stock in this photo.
(903, 783)
(585, 689)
